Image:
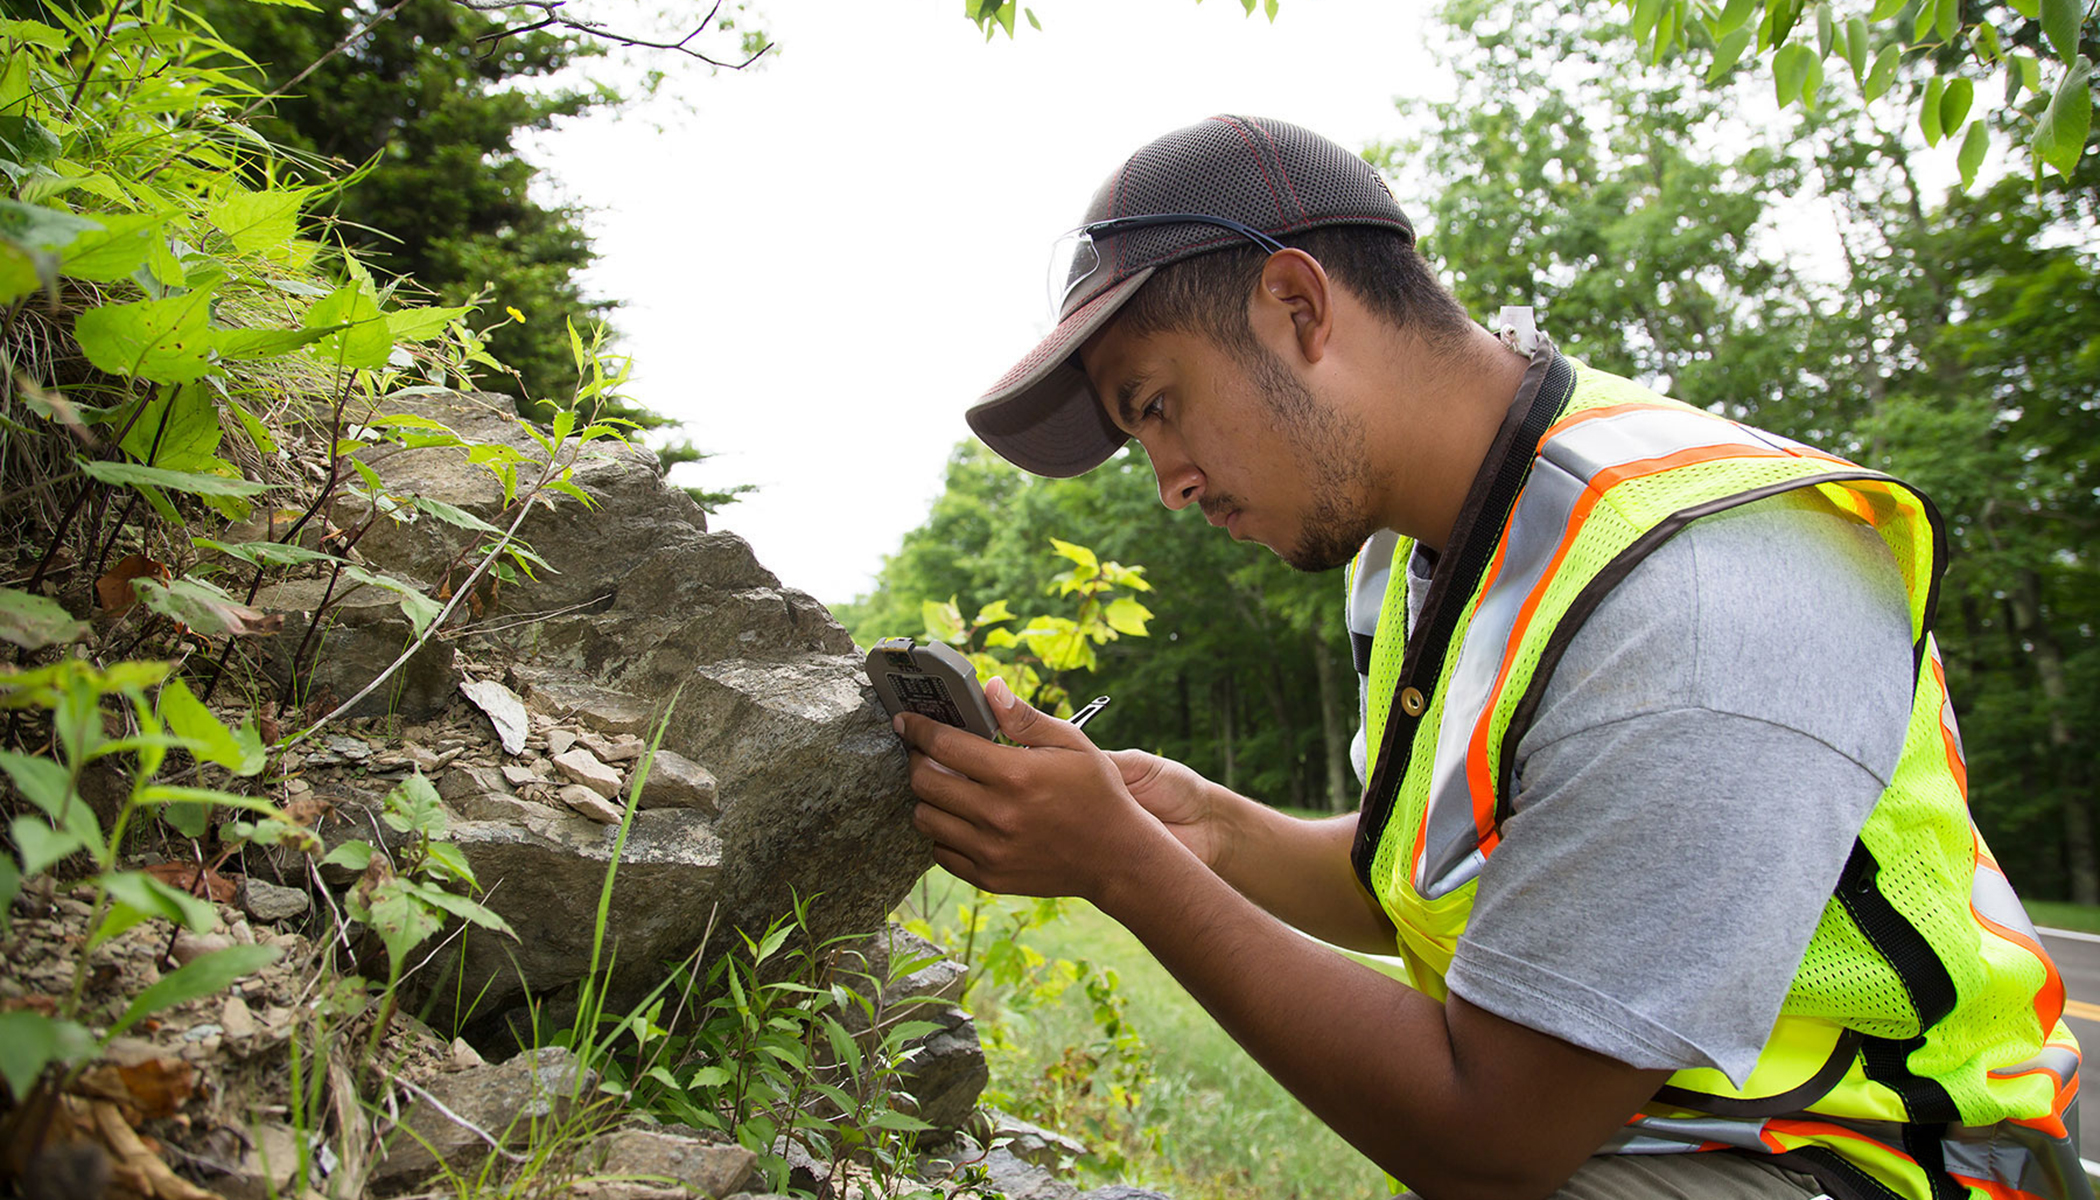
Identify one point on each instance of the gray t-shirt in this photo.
(1690, 788)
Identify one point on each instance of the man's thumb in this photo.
(1025, 725)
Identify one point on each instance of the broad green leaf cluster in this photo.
(2037, 48)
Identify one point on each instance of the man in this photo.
(1664, 802)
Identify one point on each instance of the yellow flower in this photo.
(515, 315)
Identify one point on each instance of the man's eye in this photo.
(1157, 407)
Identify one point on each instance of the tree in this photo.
(2043, 48)
(430, 115)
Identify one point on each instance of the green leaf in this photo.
(34, 33)
(30, 1041)
(993, 613)
(1125, 615)
(1790, 71)
(363, 340)
(110, 254)
(403, 919)
(1645, 15)
(452, 861)
(23, 270)
(1733, 14)
(2061, 20)
(419, 608)
(40, 228)
(2059, 137)
(264, 343)
(452, 514)
(1856, 48)
(40, 844)
(203, 976)
(1986, 35)
(1079, 554)
(2030, 9)
(1826, 30)
(1973, 148)
(1883, 73)
(125, 474)
(208, 737)
(465, 909)
(354, 855)
(179, 431)
(168, 340)
(1929, 111)
(1884, 9)
(156, 899)
(25, 141)
(944, 622)
(44, 782)
(204, 607)
(34, 622)
(256, 221)
(422, 324)
(999, 639)
(1946, 19)
(1954, 104)
(1728, 53)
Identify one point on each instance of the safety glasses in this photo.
(1075, 257)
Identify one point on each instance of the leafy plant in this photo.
(1048, 645)
(161, 717)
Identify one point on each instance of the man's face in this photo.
(1246, 441)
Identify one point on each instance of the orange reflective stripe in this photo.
(1992, 1188)
(2053, 1124)
(1955, 765)
(2049, 1000)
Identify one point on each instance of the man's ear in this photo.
(1295, 300)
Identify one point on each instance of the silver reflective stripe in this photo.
(1538, 525)
(1665, 1135)
(1374, 568)
(1993, 897)
(2059, 1061)
(1604, 442)
(2022, 1158)
(1947, 720)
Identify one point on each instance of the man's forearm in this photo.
(1425, 1090)
(1299, 870)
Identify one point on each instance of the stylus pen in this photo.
(1087, 714)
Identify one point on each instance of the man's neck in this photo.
(1434, 425)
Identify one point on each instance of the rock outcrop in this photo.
(786, 780)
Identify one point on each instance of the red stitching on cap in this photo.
(1284, 170)
(1236, 128)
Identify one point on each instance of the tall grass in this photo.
(1221, 1128)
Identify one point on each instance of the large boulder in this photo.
(642, 610)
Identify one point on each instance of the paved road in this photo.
(2077, 958)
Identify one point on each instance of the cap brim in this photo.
(1043, 417)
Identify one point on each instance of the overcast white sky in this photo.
(824, 262)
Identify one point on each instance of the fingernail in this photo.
(998, 693)
(897, 724)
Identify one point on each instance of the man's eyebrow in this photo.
(1126, 399)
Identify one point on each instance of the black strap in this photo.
(1547, 385)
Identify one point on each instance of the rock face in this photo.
(502, 1101)
(646, 610)
(362, 631)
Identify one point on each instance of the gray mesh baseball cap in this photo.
(1272, 177)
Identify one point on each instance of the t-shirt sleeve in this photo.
(1699, 767)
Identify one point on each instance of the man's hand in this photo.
(1182, 800)
(1048, 816)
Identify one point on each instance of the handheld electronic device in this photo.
(932, 680)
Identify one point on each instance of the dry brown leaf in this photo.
(135, 1164)
(114, 591)
(156, 1087)
(184, 876)
(37, 1003)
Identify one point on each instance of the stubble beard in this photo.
(1331, 457)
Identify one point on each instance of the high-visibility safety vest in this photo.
(1920, 1051)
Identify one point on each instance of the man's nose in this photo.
(1180, 483)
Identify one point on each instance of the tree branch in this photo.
(551, 16)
